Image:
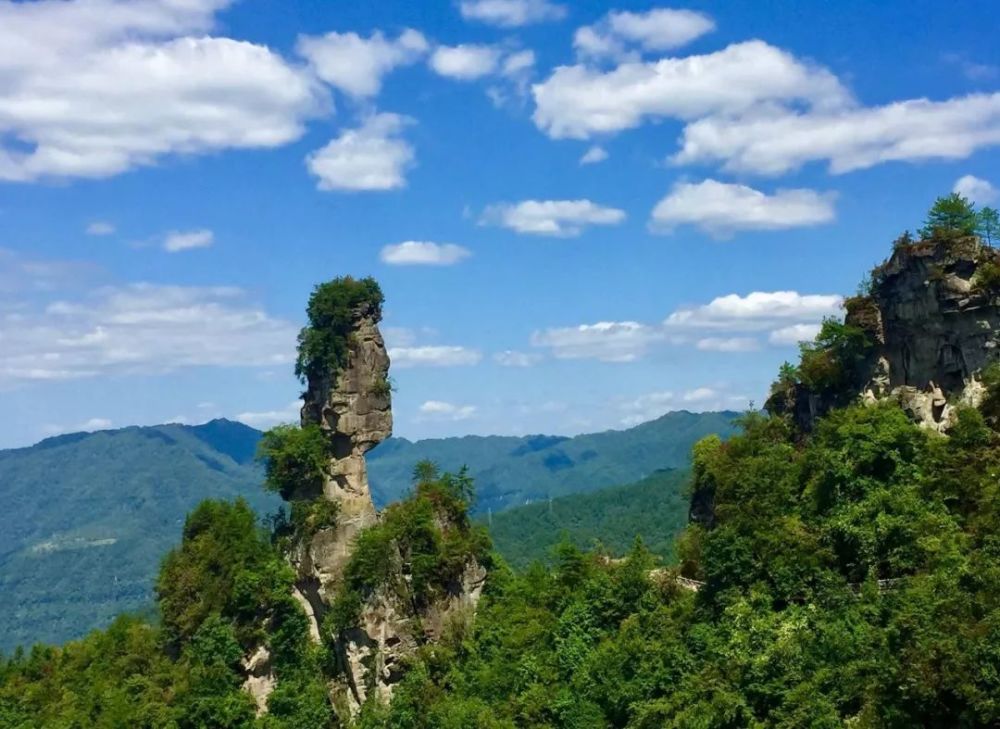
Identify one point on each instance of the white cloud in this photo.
(660, 29)
(728, 344)
(655, 404)
(439, 410)
(433, 356)
(370, 157)
(793, 334)
(357, 65)
(756, 311)
(465, 62)
(423, 253)
(560, 218)
(88, 426)
(100, 227)
(594, 155)
(511, 13)
(775, 141)
(34, 276)
(976, 189)
(92, 88)
(606, 341)
(185, 241)
(140, 329)
(518, 63)
(512, 358)
(722, 208)
(580, 101)
(270, 418)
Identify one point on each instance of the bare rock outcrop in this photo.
(933, 320)
(354, 409)
(350, 401)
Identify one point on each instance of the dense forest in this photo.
(608, 520)
(841, 574)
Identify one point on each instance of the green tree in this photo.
(950, 214)
(295, 459)
(988, 224)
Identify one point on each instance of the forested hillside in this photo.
(654, 509)
(514, 471)
(88, 516)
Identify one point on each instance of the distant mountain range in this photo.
(87, 517)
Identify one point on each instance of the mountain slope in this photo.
(654, 508)
(513, 471)
(88, 517)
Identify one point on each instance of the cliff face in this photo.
(354, 409)
(933, 320)
(352, 406)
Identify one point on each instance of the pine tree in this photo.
(952, 213)
(988, 224)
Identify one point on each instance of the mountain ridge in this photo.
(72, 494)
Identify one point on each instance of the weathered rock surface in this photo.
(354, 408)
(934, 328)
(373, 655)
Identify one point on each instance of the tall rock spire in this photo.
(343, 359)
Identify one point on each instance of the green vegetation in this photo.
(609, 520)
(295, 459)
(988, 224)
(791, 628)
(513, 471)
(418, 549)
(332, 313)
(88, 517)
(222, 594)
(950, 215)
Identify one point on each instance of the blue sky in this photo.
(583, 215)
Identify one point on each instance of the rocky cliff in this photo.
(925, 330)
(353, 408)
(375, 609)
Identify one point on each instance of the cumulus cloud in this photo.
(722, 208)
(465, 62)
(370, 157)
(560, 218)
(176, 241)
(423, 253)
(652, 405)
(357, 65)
(20, 275)
(440, 410)
(433, 356)
(759, 310)
(728, 344)
(580, 101)
(660, 29)
(88, 426)
(793, 334)
(100, 227)
(512, 358)
(270, 418)
(776, 140)
(511, 13)
(594, 155)
(607, 341)
(140, 329)
(978, 190)
(92, 88)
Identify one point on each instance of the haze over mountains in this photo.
(89, 515)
